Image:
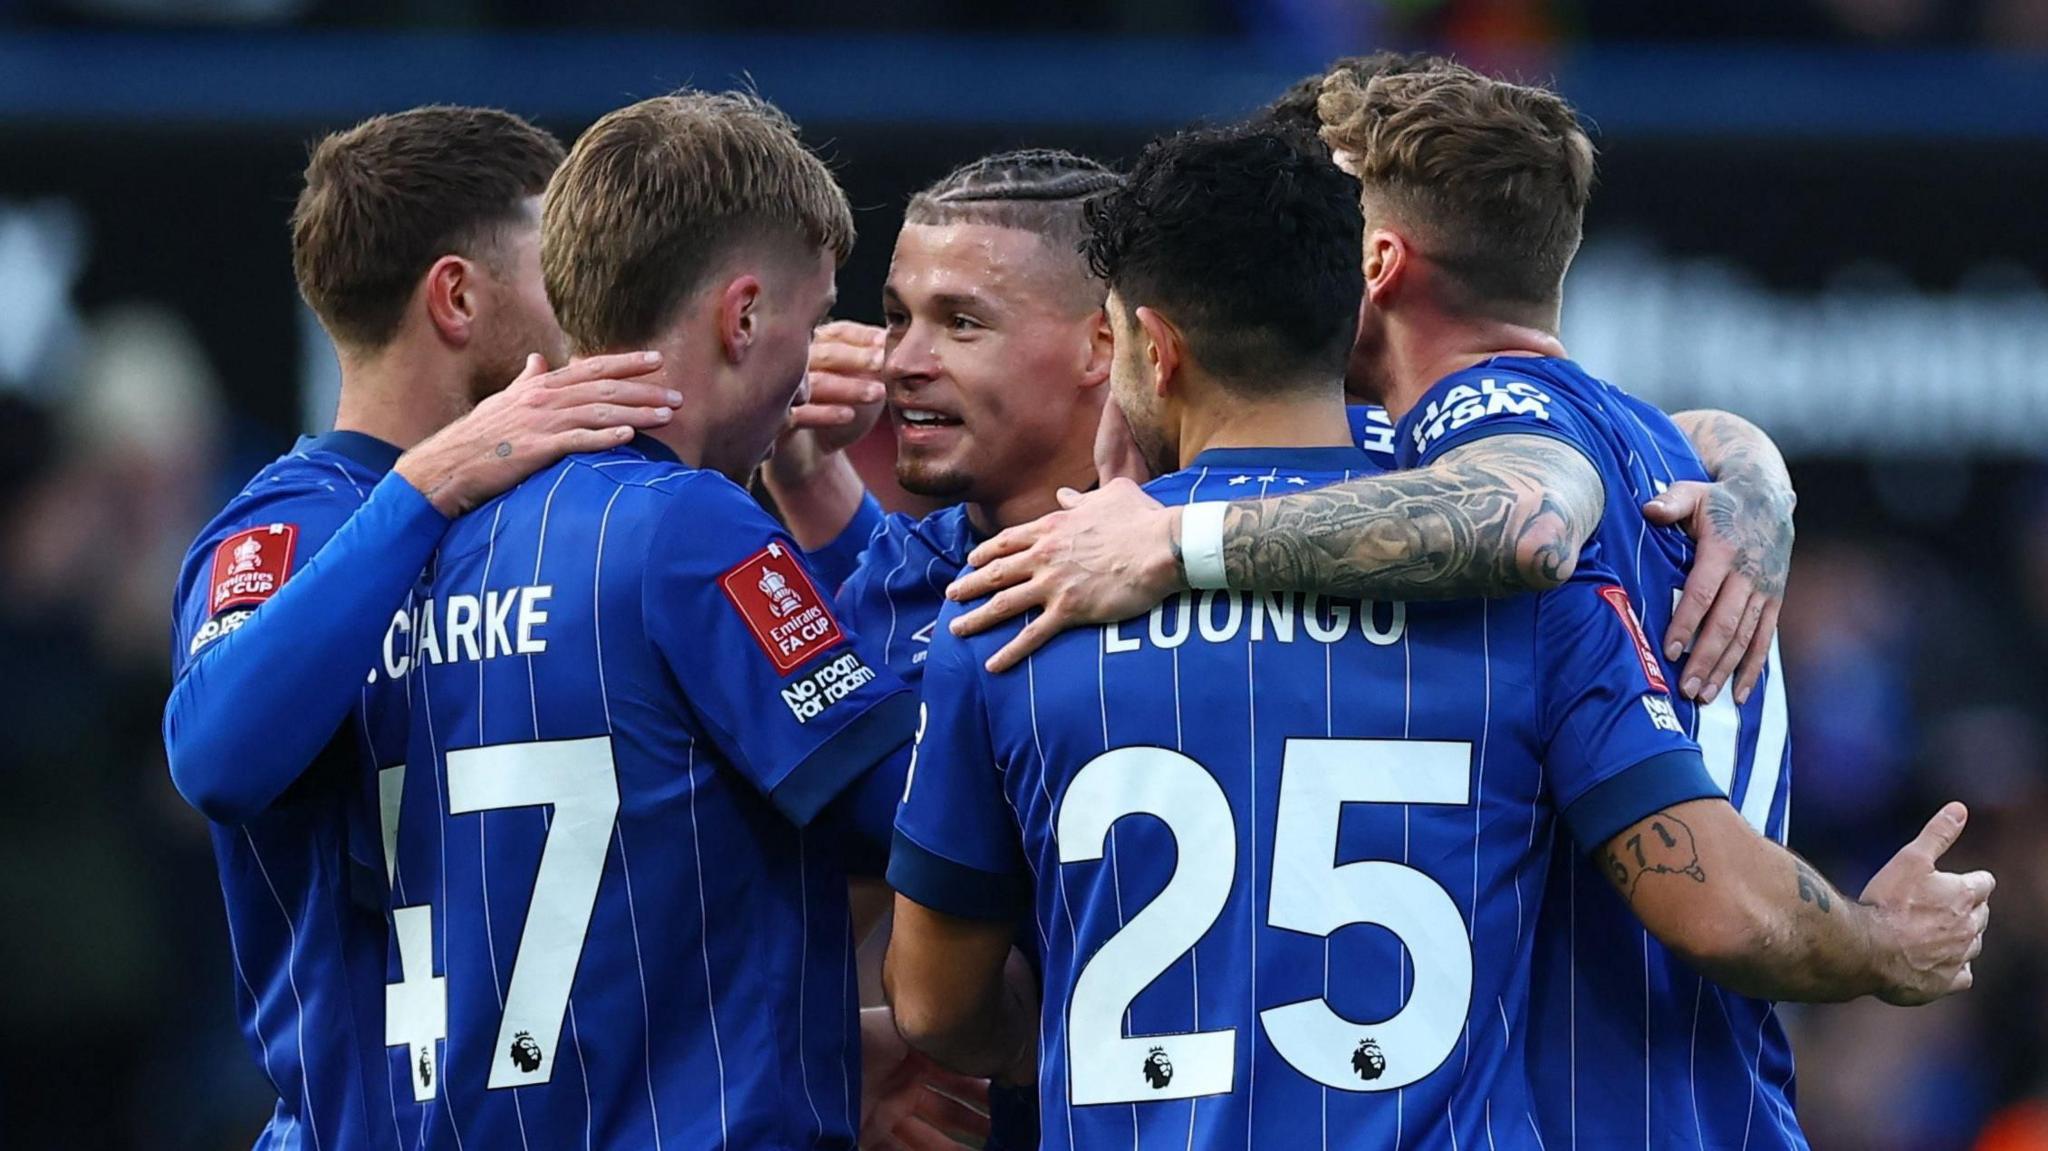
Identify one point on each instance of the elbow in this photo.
(926, 1028)
(197, 775)
(1546, 554)
(209, 794)
(924, 1019)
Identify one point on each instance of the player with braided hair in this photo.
(994, 361)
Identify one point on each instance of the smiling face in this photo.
(990, 361)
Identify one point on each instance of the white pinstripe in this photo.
(546, 820)
(1194, 954)
(619, 833)
(803, 976)
(441, 832)
(704, 934)
(483, 869)
(291, 964)
(1059, 875)
(1251, 710)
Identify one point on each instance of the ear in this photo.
(1101, 350)
(452, 287)
(1387, 262)
(1165, 349)
(739, 323)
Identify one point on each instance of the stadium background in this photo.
(1823, 214)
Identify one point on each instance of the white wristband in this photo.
(1201, 545)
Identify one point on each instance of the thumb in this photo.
(1674, 503)
(1941, 832)
(536, 365)
(1069, 498)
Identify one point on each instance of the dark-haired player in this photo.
(1197, 801)
(640, 732)
(416, 243)
(1476, 191)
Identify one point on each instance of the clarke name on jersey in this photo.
(468, 627)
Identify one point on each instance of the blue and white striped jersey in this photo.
(1286, 853)
(631, 701)
(1640, 1051)
(302, 878)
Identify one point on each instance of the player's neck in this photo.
(1311, 416)
(400, 395)
(1071, 469)
(1423, 355)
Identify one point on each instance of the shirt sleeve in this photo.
(279, 618)
(836, 561)
(1615, 750)
(958, 849)
(1461, 410)
(780, 684)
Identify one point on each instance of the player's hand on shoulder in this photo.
(1935, 919)
(1105, 555)
(1728, 613)
(842, 399)
(590, 405)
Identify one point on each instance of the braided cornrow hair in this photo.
(1038, 190)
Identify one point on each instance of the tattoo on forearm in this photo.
(1663, 846)
(1812, 888)
(1502, 516)
(1752, 500)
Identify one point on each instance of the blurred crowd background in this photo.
(1823, 214)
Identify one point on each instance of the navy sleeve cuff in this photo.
(955, 889)
(840, 760)
(835, 562)
(1623, 799)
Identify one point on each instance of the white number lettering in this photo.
(1314, 895)
(1104, 1066)
(416, 1007)
(579, 780)
(1310, 893)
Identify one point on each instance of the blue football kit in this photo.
(1639, 1050)
(1286, 854)
(641, 738)
(274, 731)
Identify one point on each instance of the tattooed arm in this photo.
(1503, 515)
(1743, 525)
(1761, 921)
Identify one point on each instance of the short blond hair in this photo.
(1494, 177)
(655, 194)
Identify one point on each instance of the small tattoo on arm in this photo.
(1664, 846)
(1812, 888)
(504, 448)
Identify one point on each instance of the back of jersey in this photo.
(1289, 850)
(1651, 1053)
(640, 946)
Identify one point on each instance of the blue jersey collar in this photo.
(1291, 459)
(367, 450)
(654, 449)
